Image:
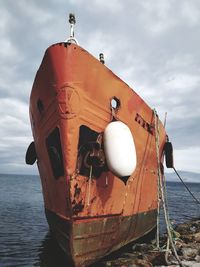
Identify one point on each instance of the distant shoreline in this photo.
(188, 177)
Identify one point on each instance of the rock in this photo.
(179, 244)
(129, 255)
(197, 237)
(146, 255)
(182, 228)
(141, 247)
(159, 259)
(187, 238)
(189, 227)
(193, 229)
(196, 224)
(143, 263)
(188, 263)
(189, 253)
(129, 263)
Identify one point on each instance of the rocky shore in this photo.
(187, 243)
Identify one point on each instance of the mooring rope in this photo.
(196, 200)
(89, 189)
(161, 190)
(158, 179)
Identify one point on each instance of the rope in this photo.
(167, 252)
(166, 200)
(165, 120)
(112, 113)
(158, 179)
(89, 189)
(196, 200)
(161, 190)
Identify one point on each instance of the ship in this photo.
(99, 150)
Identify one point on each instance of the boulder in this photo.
(197, 237)
(189, 253)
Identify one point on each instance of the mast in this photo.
(72, 21)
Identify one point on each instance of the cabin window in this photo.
(54, 150)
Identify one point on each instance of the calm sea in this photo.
(24, 236)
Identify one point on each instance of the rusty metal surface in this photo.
(74, 93)
(75, 89)
(62, 229)
(86, 241)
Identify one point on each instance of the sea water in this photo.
(24, 234)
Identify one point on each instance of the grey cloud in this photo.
(152, 46)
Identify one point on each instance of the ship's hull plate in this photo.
(85, 241)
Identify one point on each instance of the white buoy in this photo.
(120, 149)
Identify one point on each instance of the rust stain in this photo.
(77, 203)
(77, 206)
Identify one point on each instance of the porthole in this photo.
(115, 103)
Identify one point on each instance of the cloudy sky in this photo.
(152, 45)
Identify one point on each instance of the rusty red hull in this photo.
(91, 211)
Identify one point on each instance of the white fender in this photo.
(119, 149)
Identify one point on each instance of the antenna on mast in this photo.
(72, 21)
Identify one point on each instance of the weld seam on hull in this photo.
(98, 216)
(93, 235)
